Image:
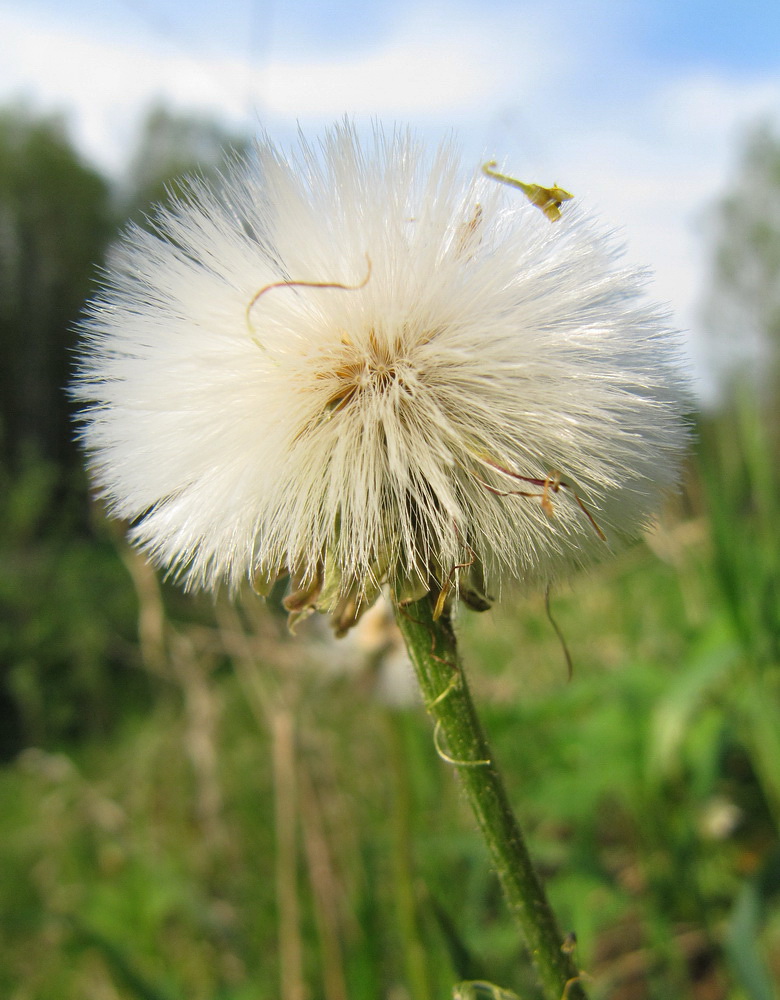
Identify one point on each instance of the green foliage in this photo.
(68, 663)
(149, 789)
(150, 859)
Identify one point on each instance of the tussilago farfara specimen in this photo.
(360, 365)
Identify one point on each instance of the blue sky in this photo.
(638, 106)
(704, 32)
(739, 36)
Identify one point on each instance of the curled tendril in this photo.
(301, 284)
(452, 760)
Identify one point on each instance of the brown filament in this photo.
(304, 284)
(551, 483)
(558, 632)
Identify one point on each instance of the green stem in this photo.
(433, 651)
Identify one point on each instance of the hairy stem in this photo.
(461, 740)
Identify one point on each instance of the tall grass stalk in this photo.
(291, 986)
(403, 878)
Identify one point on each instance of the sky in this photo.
(639, 107)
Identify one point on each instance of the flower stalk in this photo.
(433, 650)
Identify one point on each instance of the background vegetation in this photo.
(194, 806)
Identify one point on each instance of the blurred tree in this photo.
(171, 148)
(67, 607)
(739, 449)
(55, 223)
(743, 311)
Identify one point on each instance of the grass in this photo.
(245, 796)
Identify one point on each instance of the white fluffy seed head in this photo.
(482, 393)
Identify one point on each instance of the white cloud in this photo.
(651, 159)
(437, 68)
(104, 84)
(710, 106)
(696, 127)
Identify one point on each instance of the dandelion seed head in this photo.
(359, 364)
